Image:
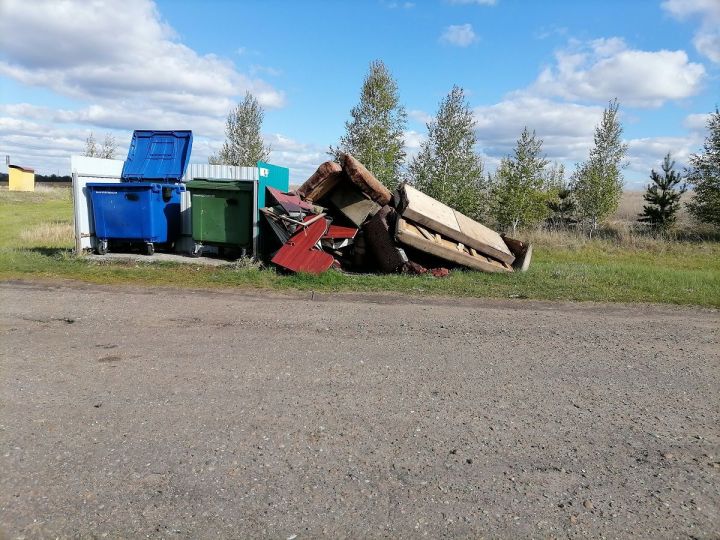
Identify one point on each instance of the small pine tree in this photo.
(244, 144)
(519, 190)
(447, 167)
(704, 174)
(562, 208)
(598, 182)
(662, 196)
(374, 135)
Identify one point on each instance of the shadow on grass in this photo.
(51, 251)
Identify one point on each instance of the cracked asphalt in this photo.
(129, 411)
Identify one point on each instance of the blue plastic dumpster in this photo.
(145, 207)
(135, 212)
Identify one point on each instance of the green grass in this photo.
(35, 243)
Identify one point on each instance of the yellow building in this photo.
(21, 178)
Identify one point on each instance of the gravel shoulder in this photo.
(130, 411)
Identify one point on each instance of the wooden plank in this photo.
(452, 224)
(410, 235)
(425, 233)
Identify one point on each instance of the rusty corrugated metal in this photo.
(301, 254)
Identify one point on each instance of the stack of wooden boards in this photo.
(343, 217)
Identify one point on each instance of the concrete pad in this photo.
(160, 257)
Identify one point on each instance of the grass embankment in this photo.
(36, 241)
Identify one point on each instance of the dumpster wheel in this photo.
(149, 248)
(102, 247)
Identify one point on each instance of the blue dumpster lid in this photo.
(157, 155)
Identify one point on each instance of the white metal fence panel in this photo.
(84, 170)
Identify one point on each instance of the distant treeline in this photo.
(41, 178)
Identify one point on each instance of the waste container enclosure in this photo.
(221, 213)
(145, 206)
(135, 212)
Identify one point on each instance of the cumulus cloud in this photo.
(461, 35)
(124, 66)
(565, 128)
(301, 158)
(707, 37)
(567, 132)
(647, 153)
(419, 116)
(602, 69)
(98, 50)
(697, 122)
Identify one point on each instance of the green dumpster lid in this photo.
(221, 184)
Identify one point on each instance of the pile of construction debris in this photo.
(343, 217)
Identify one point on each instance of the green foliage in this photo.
(598, 182)
(374, 134)
(520, 188)
(562, 207)
(662, 196)
(704, 174)
(244, 145)
(447, 167)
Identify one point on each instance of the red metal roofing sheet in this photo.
(300, 253)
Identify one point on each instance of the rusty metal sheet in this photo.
(301, 254)
(292, 204)
(338, 232)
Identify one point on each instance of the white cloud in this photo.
(476, 2)
(647, 153)
(413, 139)
(419, 116)
(565, 128)
(567, 132)
(399, 5)
(124, 66)
(697, 122)
(267, 70)
(603, 69)
(707, 37)
(461, 35)
(96, 51)
(301, 158)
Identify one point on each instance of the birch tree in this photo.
(598, 182)
(243, 144)
(519, 190)
(447, 167)
(704, 174)
(374, 133)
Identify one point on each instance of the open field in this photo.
(621, 266)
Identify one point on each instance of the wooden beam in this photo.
(411, 235)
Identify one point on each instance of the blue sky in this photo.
(71, 67)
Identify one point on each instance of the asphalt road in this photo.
(128, 412)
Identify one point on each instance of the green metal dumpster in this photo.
(222, 214)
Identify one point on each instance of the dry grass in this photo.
(623, 238)
(631, 205)
(48, 234)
